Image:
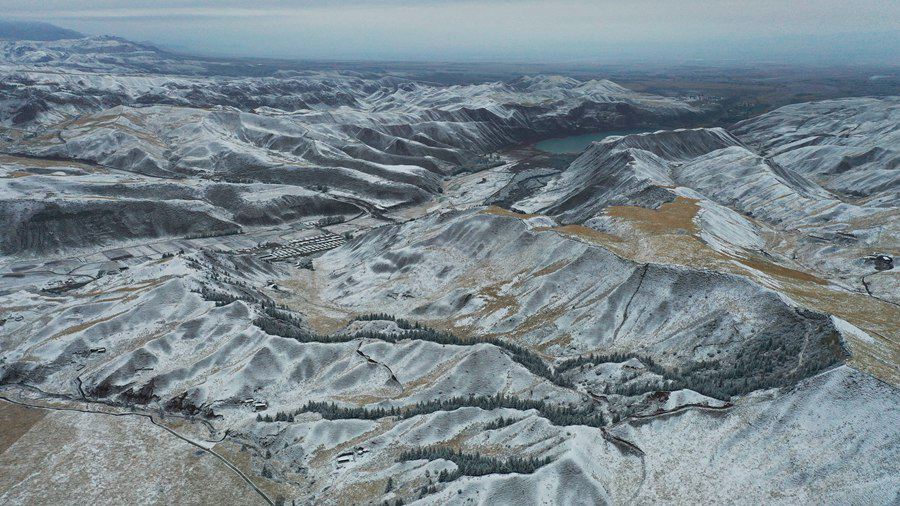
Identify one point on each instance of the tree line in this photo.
(766, 361)
(474, 464)
(560, 415)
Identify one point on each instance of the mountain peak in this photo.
(34, 30)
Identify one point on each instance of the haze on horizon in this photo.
(824, 31)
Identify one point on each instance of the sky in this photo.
(820, 31)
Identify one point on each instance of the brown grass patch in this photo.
(877, 318)
(140, 285)
(303, 295)
(495, 301)
(17, 174)
(550, 269)
(361, 492)
(83, 326)
(780, 272)
(655, 240)
(582, 232)
(16, 420)
(562, 341)
(675, 215)
(45, 163)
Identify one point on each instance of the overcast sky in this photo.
(510, 30)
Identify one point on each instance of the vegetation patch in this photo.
(560, 415)
(764, 361)
(474, 464)
(499, 423)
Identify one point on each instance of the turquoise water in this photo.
(578, 143)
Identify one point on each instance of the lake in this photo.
(578, 143)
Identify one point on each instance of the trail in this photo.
(628, 447)
(640, 486)
(680, 409)
(870, 294)
(802, 352)
(628, 304)
(382, 364)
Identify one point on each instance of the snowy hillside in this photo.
(333, 287)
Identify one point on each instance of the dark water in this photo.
(578, 143)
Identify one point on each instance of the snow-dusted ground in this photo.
(709, 260)
(749, 202)
(189, 145)
(849, 146)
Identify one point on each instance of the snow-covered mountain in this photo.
(335, 288)
(370, 143)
